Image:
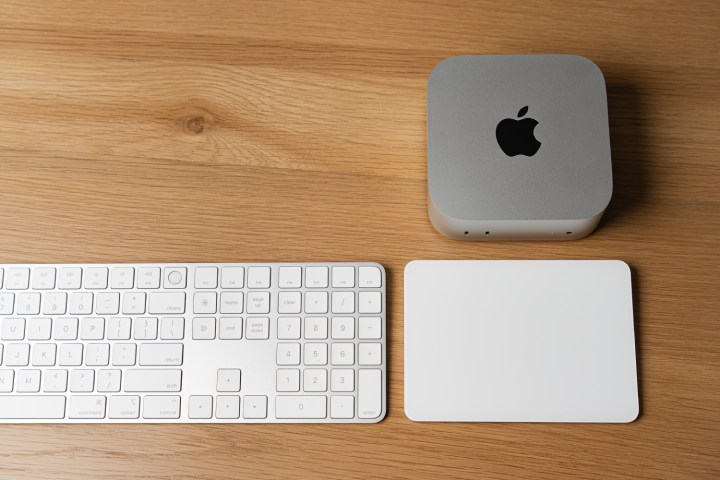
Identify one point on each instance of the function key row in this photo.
(206, 277)
(92, 278)
(288, 277)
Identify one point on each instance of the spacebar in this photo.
(32, 406)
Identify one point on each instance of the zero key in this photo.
(300, 406)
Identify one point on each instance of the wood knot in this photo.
(196, 121)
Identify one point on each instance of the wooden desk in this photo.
(230, 131)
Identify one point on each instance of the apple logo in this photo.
(516, 137)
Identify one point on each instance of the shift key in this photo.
(150, 380)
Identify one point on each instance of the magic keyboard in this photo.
(193, 343)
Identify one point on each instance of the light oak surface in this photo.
(295, 131)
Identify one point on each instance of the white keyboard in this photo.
(193, 343)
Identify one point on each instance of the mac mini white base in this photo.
(518, 147)
(519, 341)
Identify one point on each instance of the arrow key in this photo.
(200, 406)
(228, 380)
(255, 406)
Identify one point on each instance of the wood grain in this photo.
(135, 131)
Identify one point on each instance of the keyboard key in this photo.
(228, 380)
(231, 302)
(342, 380)
(206, 277)
(172, 328)
(70, 354)
(370, 302)
(6, 380)
(232, 277)
(54, 303)
(123, 354)
(146, 328)
(343, 277)
(258, 302)
(161, 354)
(108, 380)
(17, 355)
(315, 380)
(43, 278)
(228, 407)
(255, 406)
(1, 277)
(300, 406)
(369, 353)
(258, 277)
(17, 407)
(43, 354)
(17, 278)
(133, 303)
(161, 406)
(124, 406)
(107, 303)
(203, 328)
(27, 381)
(289, 302)
(27, 303)
(315, 354)
(343, 354)
(92, 328)
(257, 328)
(369, 328)
(316, 277)
(80, 303)
(287, 380)
(288, 354)
(66, 328)
(55, 381)
(148, 277)
(86, 406)
(165, 380)
(82, 380)
(97, 354)
(369, 277)
(118, 328)
(316, 328)
(343, 302)
(200, 406)
(316, 302)
(342, 406)
(69, 278)
(290, 277)
(369, 393)
(288, 328)
(175, 277)
(39, 328)
(96, 278)
(7, 303)
(343, 328)
(168, 303)
(205, 302)
(230, 328)
(122, 278)
(13, 328)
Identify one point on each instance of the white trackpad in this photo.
(519, 341)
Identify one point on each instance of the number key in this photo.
(288, 328)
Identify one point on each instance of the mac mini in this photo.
(518, 147)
